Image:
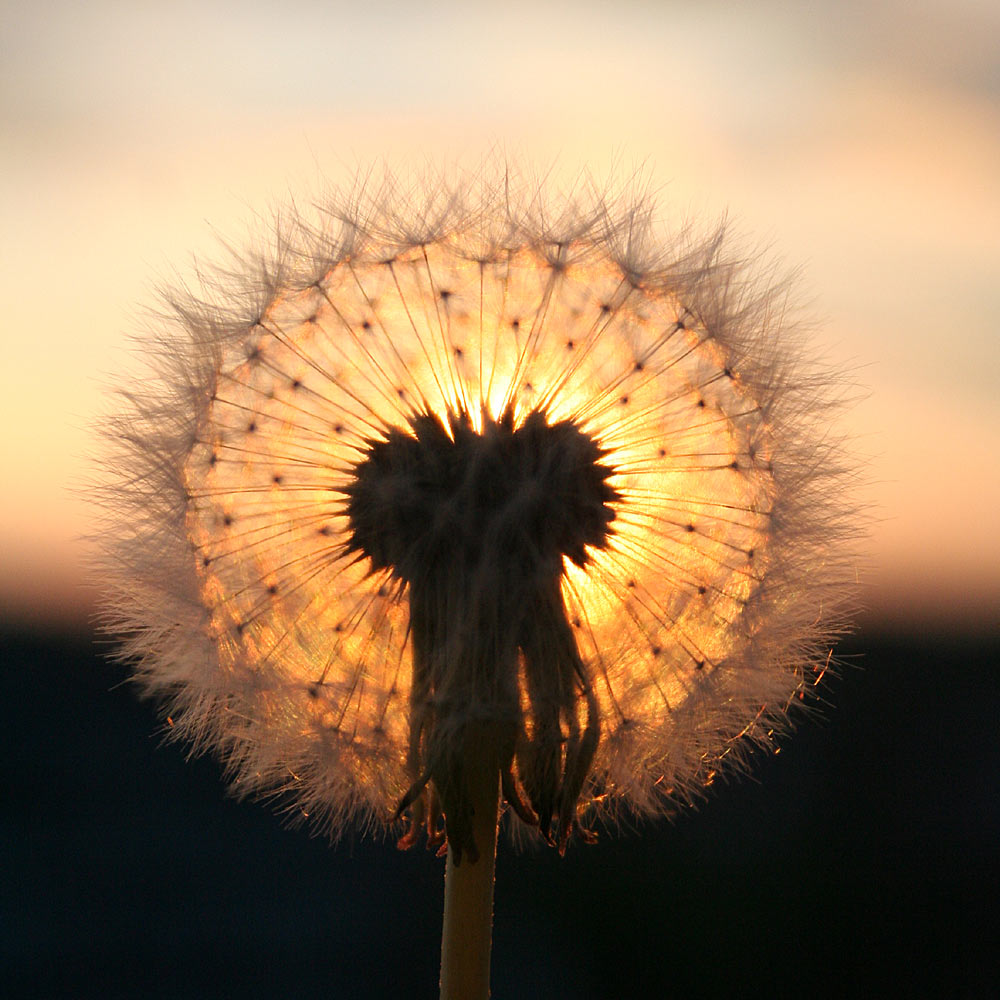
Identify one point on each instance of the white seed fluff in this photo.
(710, 609)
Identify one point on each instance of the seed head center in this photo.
(477, 524)
(433, 498)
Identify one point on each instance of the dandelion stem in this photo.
(466, 938)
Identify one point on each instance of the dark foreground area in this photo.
(863, 860)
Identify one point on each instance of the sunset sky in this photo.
(859, 140)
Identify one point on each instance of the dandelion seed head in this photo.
(455, 463)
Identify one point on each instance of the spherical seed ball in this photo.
(443, 464)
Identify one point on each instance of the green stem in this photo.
(467, 934)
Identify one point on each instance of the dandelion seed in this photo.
(452, 482)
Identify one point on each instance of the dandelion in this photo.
(468, 494)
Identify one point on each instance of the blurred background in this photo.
(861, 140)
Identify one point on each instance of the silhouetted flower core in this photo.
(476, 525)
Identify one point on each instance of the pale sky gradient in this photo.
(859, 139)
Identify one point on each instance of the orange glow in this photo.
(831, 167)
(338, 362)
